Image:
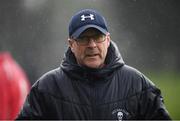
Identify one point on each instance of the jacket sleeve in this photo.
(33, 106)
(151, 104)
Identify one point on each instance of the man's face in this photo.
(90, 49)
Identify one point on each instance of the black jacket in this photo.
(115, 91)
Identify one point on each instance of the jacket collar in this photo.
(75, 71)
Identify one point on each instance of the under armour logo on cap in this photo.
(83, 17)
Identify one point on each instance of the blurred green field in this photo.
(169, 83)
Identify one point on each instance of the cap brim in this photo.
(83, 28)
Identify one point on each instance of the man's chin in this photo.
(93, 65)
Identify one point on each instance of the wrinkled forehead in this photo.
(91, 32)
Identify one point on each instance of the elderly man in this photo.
(93, 82)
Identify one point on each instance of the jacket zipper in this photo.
(94, 103)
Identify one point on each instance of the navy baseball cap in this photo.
(84, 19)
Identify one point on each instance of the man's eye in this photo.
(84, 38)
(96, 37)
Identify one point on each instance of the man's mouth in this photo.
(92, 55)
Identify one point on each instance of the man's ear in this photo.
(108, 38)
(70, 42)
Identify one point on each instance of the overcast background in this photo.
(35, 32)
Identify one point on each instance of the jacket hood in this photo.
(113, 61)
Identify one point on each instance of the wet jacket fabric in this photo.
(114, 92)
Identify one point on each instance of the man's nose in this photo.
(92, 42)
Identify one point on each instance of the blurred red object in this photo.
(14, 87)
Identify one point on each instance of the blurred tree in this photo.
(155, 26)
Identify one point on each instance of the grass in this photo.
(169, 83)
